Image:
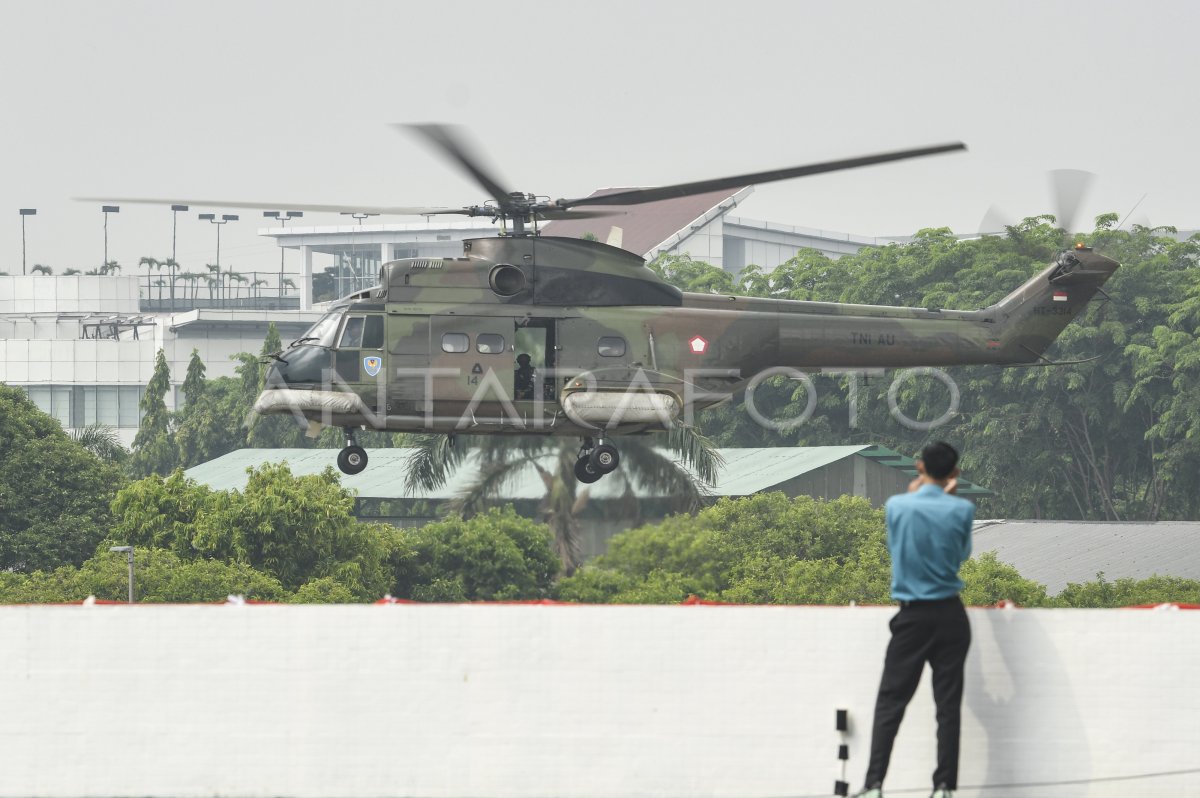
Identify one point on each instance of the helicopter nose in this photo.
(302, 365)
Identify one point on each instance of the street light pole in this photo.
(128, 552)
(353, 252)
(106, 210)
(226, 218)
(175, 209)
(284, 217)
(25, 212)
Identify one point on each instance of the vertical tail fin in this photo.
(1031, 317)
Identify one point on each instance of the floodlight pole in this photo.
(284, 217)
(128, 552)
(106, 210)
(226, 218)
(353, 252)
(175, 209)
(25, 212)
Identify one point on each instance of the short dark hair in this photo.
(939, 458)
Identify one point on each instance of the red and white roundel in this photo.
(698, 345)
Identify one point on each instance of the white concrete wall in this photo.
(71, 294)
(454, 701)
(78, 361)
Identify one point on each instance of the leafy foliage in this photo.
(760, 549)
(153, 447)
(496, 556)
(54, 493)
(159, 576)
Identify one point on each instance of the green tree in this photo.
(1129, 592)
(294, 528)
(154, 449)
(54, 493)
(688, 274)
(987, 581)
(495, 556)
(761, 549)
(160, 513)
(159, 576)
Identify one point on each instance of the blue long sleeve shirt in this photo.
(929, 538)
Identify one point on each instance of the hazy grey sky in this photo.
(291, 101)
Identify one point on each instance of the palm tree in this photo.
(192, 279)
(39, 268)
(71, 272)
(503, 458)
(257, 286)
(152, 264)
(214, 279)
(112, 267)
(173, 266)
(102, 441)
(241, 280)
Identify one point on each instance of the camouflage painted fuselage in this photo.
(614, 347)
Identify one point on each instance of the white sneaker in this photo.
(941, 792)
(869, 792)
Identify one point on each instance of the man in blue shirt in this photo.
(929, 538)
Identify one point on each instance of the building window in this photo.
(490, 343)
(456, 343)
(85, 405)
(611, 346)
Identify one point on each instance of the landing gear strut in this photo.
(595, 461)
(352, 459)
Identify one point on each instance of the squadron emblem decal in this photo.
(372, 365)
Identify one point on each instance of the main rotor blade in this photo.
(564, 213)
(452, 144)
(288, 206)
(1068, 187)
(638, 196)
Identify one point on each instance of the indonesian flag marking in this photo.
(1060, 296)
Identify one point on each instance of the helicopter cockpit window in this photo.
(323, 332)
(490, 344)
(456, 342)
(373, 333)
(352, 335)
(611, 346)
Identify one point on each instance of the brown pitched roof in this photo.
(643, 226)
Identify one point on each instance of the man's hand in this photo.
(915, 485)
(952, 486)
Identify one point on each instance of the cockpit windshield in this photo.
(322, 333)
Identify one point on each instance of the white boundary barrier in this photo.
(526, 701)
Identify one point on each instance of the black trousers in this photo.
(936, 632)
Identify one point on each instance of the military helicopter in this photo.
(534, 334)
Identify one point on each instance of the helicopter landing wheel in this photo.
(352, 460)
(585, 472)
(605, 458)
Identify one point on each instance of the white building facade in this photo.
(83, 351)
